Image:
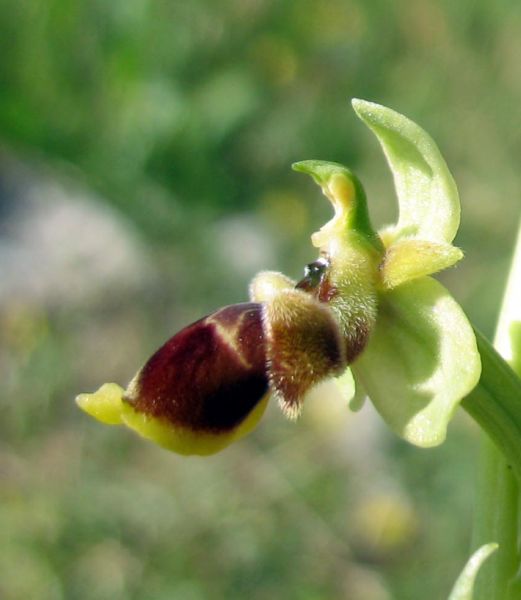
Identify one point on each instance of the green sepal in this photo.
(427, 195)
(464, 586)
(421, 360)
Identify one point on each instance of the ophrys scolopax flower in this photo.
(367, 302)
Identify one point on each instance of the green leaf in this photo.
(496, 510)
(427, 195)
(508, 334)
(421, 360)
(464, 585)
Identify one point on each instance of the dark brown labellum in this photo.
(210, 375)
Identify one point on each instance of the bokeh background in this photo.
(145, 151)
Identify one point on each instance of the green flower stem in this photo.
(496, 516)
(497, 505)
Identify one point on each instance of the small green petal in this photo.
(345, 192)
(427, 195)
(421, 360)
(409, 259)
(464, 586)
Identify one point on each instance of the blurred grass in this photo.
(176, 123)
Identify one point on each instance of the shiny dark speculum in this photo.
(316, 281)
(210, 375)
(313, 274)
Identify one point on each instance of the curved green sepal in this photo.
(464, 586)
(409, 259)
(427, 194)
(421, 360)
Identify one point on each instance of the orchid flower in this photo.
(366, 309)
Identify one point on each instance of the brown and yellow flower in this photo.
(367, 302)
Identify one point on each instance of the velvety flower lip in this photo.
(209, 376)
(204, 388)
(209, 384)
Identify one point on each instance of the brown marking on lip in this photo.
(210, 375)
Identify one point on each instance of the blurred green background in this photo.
(145, 151)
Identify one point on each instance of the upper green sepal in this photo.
(427, 194)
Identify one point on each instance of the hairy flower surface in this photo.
(368, 301)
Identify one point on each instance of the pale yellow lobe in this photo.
(340, 190)
(108, 406)
(410, 259)
(105, 405)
